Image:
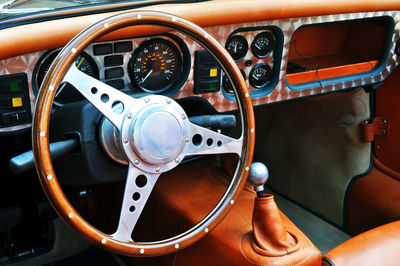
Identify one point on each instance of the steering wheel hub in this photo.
(158, 134)
(154, 134)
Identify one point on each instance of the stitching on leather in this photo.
(278, 256)
(241, 238)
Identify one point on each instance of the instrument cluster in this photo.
(161, 64)
(256, 52)
(146, 65)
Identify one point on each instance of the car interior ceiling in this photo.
(323, 84)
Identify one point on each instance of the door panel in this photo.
(375, 198)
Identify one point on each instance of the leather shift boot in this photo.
(268, 230)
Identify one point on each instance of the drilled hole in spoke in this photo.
(94, 90)
(141, 181)
(219, 143)
(104, 98)
(210, 142)
(197, 139)
(136, 196)
(132, 208)
(118, 107)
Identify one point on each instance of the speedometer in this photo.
(155, 65)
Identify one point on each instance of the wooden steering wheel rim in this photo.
(40, 135)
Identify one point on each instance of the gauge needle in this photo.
(236, 47)
(256, 45)
(80, 63)
(148, 74)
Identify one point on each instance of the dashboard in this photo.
(171, 64)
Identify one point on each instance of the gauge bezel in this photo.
(254, 69)
(253, 48)
(226, 81)
(176, 79)
(40, 64)
(244, 41)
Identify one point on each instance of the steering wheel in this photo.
(155, 134)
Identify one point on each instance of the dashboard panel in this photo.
(245, 42)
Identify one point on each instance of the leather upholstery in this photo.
(378, 127)
(374, 200)
(188, 195)
(387, 97)
(268, 230)
(379, 246)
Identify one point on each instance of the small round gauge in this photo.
(263, 44)
(237, 46)
(260, 76)
(227, 85)
(66, 93)
(155, 65)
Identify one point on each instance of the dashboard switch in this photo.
(113, 60)
(207, 73)
(15, 108)
(208, 86)
(17, 102)
(115, 72)
(102, 49)
(14, 117)
(121, 47)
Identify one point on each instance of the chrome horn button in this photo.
(154, 136)
(158, 135)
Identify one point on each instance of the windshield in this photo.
(11, 8)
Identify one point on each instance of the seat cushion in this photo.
(379, 246)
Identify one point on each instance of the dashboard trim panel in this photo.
(282, 91)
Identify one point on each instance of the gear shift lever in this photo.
(269, 231)
(258, 176)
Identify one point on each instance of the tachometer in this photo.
(155, 65)
(66, 93)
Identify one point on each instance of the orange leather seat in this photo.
(379, 246)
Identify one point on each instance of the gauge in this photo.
(155, 65)
(66, 93)
(227, 85)
(260, 76)
(237, 46)
(263, 44)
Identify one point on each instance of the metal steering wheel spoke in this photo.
(138, 187)
(206, 141)
(112, 103)
(140, 116)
